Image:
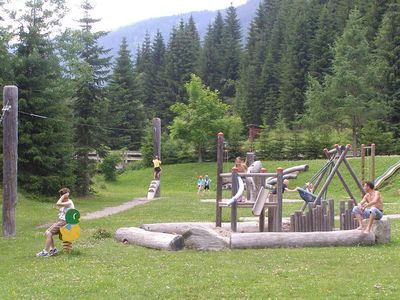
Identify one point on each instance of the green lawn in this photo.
(100, 268)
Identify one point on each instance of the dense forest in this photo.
(310, 74)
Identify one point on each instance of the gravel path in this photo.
(108, 211)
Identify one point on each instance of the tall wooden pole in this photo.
(220, 164)
(10, 157)
(157, 137)
(373, 149)
(363, 163)
(279, 196)
(157, 147)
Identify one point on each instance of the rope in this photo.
(79, 124)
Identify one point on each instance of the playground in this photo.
(99, 266)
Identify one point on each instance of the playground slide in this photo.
(262, 197)
(389, 172)
(154, 185)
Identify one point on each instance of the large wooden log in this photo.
(205, 239)
(149, 239)
(300, 239)
(182, 228)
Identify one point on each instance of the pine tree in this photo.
(231, 55)
(181, 61)
(347, 97)
(127, 112)
(211, 62)
(5, 56)
(144, 76)
(45, 144)
(388, 54)
(250, 99)
(89, 106)
(295, 63)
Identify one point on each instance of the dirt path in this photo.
(108, 211)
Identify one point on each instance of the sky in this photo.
(118, 13)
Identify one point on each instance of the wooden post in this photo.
(373, 148)
(220, 164)
(342, 208)
(10, 158)
(362, 167)
(261, 222)
(279, 196)
(328, 155)
(310, 216)
(331, 205)
(157, 147)
(329, 179)
(351, 171)
(235, 187)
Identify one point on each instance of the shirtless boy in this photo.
(370, 207)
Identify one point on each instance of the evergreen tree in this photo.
(231, 42)
(295, 62)
(144, 76)
(181, 61)
(45, 144)
(158, 76)
(127, 113)
(250, 100)
(211, 62)
(5, 56)
(388, 54)
(89, 106)
(320, 47)
(347, 97)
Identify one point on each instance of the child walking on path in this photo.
(63, 204)
(200, 184)
(207, 182)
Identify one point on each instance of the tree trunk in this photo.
(354, 137)
(200, 154)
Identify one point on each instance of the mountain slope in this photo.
(136, 32)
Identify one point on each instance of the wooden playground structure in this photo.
(312, 226)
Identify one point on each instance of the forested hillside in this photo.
(310, 73)
(135, 33)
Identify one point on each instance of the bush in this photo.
(108, 166)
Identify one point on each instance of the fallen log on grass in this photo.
(300, 239)
(183, 227)
(149, 239)
(201, 238)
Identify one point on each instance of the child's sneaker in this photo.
(43, 254)
(53, 251)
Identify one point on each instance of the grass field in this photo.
(100, 268)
